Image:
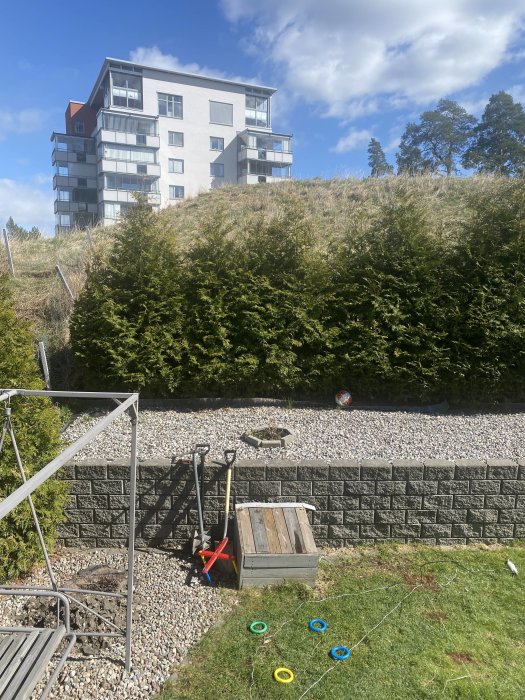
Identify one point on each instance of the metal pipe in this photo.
(131, 536)
(45, 366)
(90, 591)
(9, 256)
(22, 492)
(30, 502)
(64, 282)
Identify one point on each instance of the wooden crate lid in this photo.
(275, 530)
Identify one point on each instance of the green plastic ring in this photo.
(258, 627)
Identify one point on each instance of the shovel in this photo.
(218, 552)
(201, 539)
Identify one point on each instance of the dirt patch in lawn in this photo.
(461, 657)
(425, 581)
(437, 615)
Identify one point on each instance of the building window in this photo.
(141, 139)
(257, 110)
(63, 195)
(79, 128)
(175, 165)
(176, 192)
(82, 182)
(216, 143)
(170, 105)
(142, 169)
(175, 138)
(221, 113)
(112, 210)
(127, 90)
(63, 170)
(64, 219)
(217, 169)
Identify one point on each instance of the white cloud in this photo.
(27, 204)
(355, 139)
(359, 57)
(153, 56)
(24, 121)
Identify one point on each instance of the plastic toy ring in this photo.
(339, 653)
(317, 625)
(258, 627)
(283, 675)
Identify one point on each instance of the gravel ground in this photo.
(319, 434)
(175, 610)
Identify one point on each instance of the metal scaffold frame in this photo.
(126, 403)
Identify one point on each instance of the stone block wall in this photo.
(357, 502)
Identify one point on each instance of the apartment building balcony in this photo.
(131, 168)
(259, 145)
(61, 156)
(250, 179)
(73, 149)
(271, 156)
(128, 196)
(124, 138)
(65, 181)
(62, 207)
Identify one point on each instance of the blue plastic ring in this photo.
(339, 653)
(317, 625)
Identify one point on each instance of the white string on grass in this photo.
(354, 646)
(370, 590)
(317, 601)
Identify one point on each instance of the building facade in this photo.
(166, 134)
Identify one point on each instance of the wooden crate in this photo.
(274, 543)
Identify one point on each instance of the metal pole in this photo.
(30, 500)
(9, 256)
(43, 360)
(131, 538)
(64, 282)
(54, 465)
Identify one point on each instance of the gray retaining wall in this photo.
(357, 502)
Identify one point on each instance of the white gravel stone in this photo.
(158, 640)
(319, 434)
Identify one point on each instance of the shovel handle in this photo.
(202, 449)
(229, 457)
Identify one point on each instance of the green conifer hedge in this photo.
(36, 425)
(395, 305)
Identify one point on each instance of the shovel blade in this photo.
(200, 543)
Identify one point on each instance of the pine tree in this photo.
(19, 233)
(437, 141)
(498, 143)
(410, 160)
(379, 167)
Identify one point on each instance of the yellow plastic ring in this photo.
(279, 672)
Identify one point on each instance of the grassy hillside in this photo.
(335, 210)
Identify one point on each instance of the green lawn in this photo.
(450, 624)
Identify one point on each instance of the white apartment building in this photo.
(167, 134)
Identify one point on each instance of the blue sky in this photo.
(346, 70)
